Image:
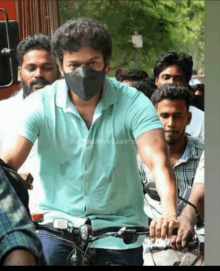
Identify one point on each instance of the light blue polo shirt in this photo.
(90, 172)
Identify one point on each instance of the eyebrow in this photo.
(44, 63)
(75, 61)
(176, 113)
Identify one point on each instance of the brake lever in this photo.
(129, 236)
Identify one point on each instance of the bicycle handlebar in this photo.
(129, 234)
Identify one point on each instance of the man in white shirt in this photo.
(36, 69)
(176, 67)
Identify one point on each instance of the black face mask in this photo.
(85, 82)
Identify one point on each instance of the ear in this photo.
(60, 66)
(156, 81)
(107, 67)
(189, 118)
(19, 73)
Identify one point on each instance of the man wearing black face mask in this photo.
(88, 127)
(36, 69)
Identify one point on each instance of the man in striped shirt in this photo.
(172, 103)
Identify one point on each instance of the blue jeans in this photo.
(56, 252)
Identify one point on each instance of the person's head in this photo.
(82, 42)
(172, 103)
(119, 71)
(129, 76)
(173, 68)
(199, 89)
(194, 72)
(37, 68)
(146, 86)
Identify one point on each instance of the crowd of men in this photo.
(70, 134)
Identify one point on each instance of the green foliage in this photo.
(164, 25)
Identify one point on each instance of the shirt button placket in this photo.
(87, 155)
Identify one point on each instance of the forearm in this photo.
(154, 152)
(188, 216)
(18, 153)
(166, 186)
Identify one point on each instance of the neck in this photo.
(177, 150)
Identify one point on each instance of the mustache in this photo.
(39, 81)
(171, 131)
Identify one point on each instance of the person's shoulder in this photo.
(197, 142)
(10, 103)
(129, 94)
(123, 89)
(47, 93)
(196, 111)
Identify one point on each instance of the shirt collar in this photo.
(63, 101)
(189, 152)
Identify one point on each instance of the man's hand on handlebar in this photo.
(162, 227)
(28, 180)
(179, 241)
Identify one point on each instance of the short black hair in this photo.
(33, 42)
(146, 86)
(172, 92)
(184, 61)
(132, 75)
(199, 87)
(75, 34)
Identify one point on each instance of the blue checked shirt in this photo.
(16, 229)
(184, 169)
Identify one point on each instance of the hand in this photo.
(162, 227)
(179, 241)
(28, 180)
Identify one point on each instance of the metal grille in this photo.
(37, 16)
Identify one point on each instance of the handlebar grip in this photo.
(192, 242)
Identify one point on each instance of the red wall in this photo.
(9, 6)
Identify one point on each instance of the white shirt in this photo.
(9, 108)
(196, 127)
(200, 172)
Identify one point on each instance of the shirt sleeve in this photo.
(29, 121)
(142, 115)
(16, 229)
(200, 172)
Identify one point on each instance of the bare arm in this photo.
(197, 197)
(17, 155)
(187, 219)
(153, 150)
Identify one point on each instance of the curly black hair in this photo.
(132, 75)
(184, 61)
(173, 92)
(200, 87)
(37, 41)
(75, 34)
(146, 86)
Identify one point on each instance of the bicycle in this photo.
(81, 238)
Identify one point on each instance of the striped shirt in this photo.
(16, 229)
(184, 169)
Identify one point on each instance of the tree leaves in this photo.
(164, 25)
